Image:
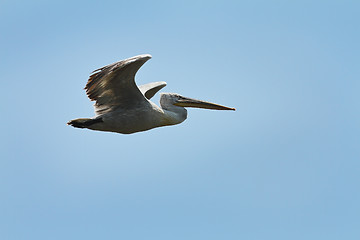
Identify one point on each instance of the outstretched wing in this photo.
(114, 85)
(150, 89)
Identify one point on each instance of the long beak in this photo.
(189, 102)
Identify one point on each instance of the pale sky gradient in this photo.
(285, 165)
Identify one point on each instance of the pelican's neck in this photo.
(173, 114)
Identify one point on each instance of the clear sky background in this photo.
(285, 165)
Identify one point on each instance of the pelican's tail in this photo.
(84, 122)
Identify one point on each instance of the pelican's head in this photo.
(169, 100)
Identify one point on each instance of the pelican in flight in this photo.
(123, 107)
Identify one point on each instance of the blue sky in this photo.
(285, 165)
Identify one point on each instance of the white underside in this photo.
(137, 119)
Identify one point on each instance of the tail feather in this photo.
(84, 122)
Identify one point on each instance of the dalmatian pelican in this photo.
(123, 107)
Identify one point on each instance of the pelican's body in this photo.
(123, 107)
(141, 118)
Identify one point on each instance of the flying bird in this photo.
(123, 107)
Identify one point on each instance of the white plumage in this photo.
(123, 107)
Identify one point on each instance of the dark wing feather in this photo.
(114, 85)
